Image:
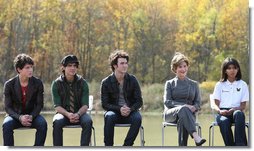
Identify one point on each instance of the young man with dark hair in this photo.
(70, 95)
(121, 98)
(23, 100)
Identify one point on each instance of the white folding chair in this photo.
(170, 124)
(141, 129)
(214, 123)
(90, 113)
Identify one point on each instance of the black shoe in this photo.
(201, 142)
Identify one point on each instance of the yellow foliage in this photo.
(208, 85)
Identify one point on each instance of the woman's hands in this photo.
(191, 107)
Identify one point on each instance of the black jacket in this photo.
(110, 93)
(13, 99)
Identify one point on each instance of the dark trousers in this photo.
(39, 123)
(225, 123)
(59, 121)
(111, 118)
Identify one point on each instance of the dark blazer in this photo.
(13, 101)
(110, 93)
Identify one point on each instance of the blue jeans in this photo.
(111, 118)
(39, 123)
(225, 123)
(59, 121)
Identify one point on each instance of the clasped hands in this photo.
(191, 107)
(125, 110)
(26, 120)
(226, 112)
(73, 117)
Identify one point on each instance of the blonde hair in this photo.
(177, 59)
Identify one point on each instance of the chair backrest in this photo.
(212, 105)
(89, 110)
(90, 102)
(212, 101)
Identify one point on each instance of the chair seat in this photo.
(72, 126)
(168, 124)
(233, 124)
(24, 128)
(122, 125)
(175, 124)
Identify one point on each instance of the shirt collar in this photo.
(114, 77)
(75, 79)
(231, 83)
(185, 79)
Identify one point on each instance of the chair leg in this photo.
(94, 141)
(212, 135)
(199, 130)
(247, 126)
(142, 137)
(162, 129)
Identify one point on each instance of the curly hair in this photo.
(21, 60)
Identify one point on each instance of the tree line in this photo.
(151, 31)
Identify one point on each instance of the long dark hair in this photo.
(230, 61)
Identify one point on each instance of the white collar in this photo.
(231, 83)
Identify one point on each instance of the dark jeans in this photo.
(111, 118)
(59, 121)
(39, 123)
(225, 123)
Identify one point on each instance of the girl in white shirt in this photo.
(231, 94)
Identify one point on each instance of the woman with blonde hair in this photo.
(182, 101)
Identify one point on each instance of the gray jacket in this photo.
(180, 92)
